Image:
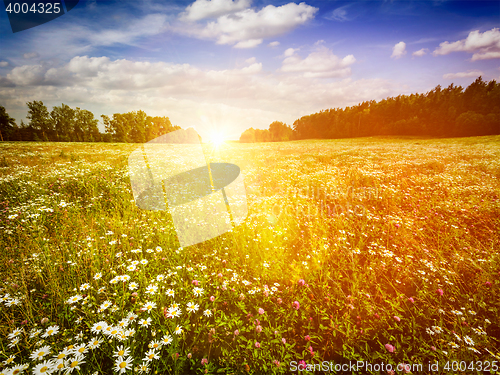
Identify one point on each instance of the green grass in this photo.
(361, 232)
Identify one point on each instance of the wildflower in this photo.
(468, 341)
(84, 287)
(150, 355)
(166, 340)
(204, 361)
(437, 329)
(94, 344)
(46, 367)
(279, 301)
(74, 364)
(236, 333)
(207, 313)
(131, 316)
(98, 327)
(258, 328)
(195, 282)
(80, 349)
(9, 360)
(257, 344)
(148, 306)
(301, 282)
(145, 322)
(192, 307)
(155, 344)
(440, 292)
(397, 318)
(389, 348)
(197, 291)
(16, 332)
(74, 299)
(151, 289)
(123, 364)
(411, 300)
(283, 340)
(296, 305)
(178, 330)
(40, 353)
(105, 305)
(307, 337)
(170, 293)
(261, 311)
(143, 368)
(121, 351)
(212, 298)
(50, 331)
(133, 285)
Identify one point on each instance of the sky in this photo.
(223, 66)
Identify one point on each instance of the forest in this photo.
(65, 124)
(449, 112)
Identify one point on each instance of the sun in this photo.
(217, 139)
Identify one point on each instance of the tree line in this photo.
(65, 124)
(450, 112)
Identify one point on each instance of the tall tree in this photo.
(85, 121)
(7, 125)
(40, 121)
(63, 118)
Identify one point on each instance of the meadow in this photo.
(381, 250)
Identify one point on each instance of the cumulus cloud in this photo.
(420, 52)
(472, 73)
(247, 28)
(3, 64)
(320, 63)
(251, 60)
(274, 44)
(483, 45)
(30, 55)
(399, 50)
(202, 9)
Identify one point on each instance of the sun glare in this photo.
(217, 139)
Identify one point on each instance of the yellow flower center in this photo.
(10, 360)
(16, 371)
(99, 328)
(60, 366)
(50, 332)
(41, 354)
(123, 364)
(121, 352)
(81, 350)
(113, 332)
(44, 369)
(151, 356)
(70, 347)
(61, 355)
(73, 364)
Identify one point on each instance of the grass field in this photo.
(378, 250)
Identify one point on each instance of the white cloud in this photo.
(290, 51)
(274, 44)
(3, 64)
(472, 73)
(399, 50)
(201, 9)
(320, 63)
(251, 60)
(151, 24)
(30, 55)
(248, 43)
(247, 28)
(420, 52)
(339, 14)
(483, 45)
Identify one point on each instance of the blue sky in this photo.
(222, 66)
